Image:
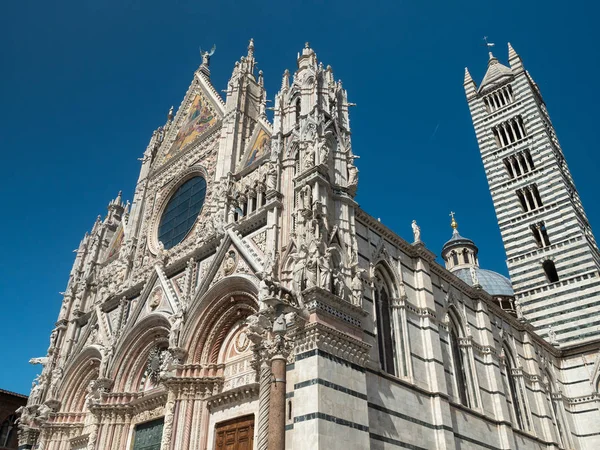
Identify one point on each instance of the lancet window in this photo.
(555, 408)
(529, 198)
(514, 394)
(390, 317)
(510, 131)
(518, 164)
(498, 99)
(540, 234)
(384, 326)
(458, 363)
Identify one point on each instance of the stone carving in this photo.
(272, 177)
(300, 258)
(322, 150)
(416, 232)
(305, 197)
(106, 353)
(55, 378)
(339, 284)
(474, 277)
(176, 324)
(229, 263)
(357, 287)
(325, 266)
(40, 360)
(552, 336)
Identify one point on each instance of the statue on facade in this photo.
(272, 177)
(306, 197)
(54, 380)
(308, 156)
(106, 353)
(176, 321)
(206, 55)
(325, 263)
(416, 232)
(339, 284)
(299, 257)
(552, 336)
(311, 269)
(322, 150)
(53, 336)
(357, 287)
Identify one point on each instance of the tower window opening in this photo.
(529, 159)
(522, 200)
(298, 109)
(509, 168)
(517, 168)
(550, 270)
(498, 99)
(466, 256)
(509, 132)
(455, 258)
(540, 234)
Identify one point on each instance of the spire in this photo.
(285, 82)
(251, 48)
(514, 60)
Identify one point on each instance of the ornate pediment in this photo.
(198, 115)
(258, 148)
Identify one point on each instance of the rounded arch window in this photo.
(181, 211)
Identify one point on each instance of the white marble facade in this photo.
(384, 347)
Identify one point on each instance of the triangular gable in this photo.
(199, 113)
(116, 242)
(232, 257)
(258, 148)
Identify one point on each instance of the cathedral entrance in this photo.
(148, 435)
(236, 434)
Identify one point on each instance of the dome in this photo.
(491, 282)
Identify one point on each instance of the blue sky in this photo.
(84, 83)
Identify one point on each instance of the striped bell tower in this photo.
(552, 256)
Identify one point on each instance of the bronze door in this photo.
(148, 435)
(236, 434)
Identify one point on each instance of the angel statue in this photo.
(206, 55)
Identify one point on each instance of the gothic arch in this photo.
(131, 356)
(76, 379)
(229, 301)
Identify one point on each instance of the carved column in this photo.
(168, 424)
(263, 405)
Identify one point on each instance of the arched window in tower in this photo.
(298, 109)
(514, 395)
(466, 256)
(455, 258)
(550, 270)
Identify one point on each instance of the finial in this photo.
(306, 45)
(170, 115)
(251, 47)
(285, 82)
(453, 224)
(489, 45)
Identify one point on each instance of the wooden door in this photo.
(236, 434)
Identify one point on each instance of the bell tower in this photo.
(552, 256)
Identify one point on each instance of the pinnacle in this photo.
(511, 52)
(468, 78)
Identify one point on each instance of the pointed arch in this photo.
(228, 302)
(131, 357)
(556, 409)
(384, 292)
(457, 352)
(513, 385)
(76, 379)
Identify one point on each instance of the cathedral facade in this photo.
(243, 300)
